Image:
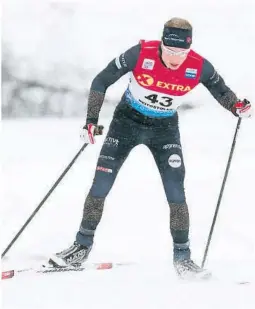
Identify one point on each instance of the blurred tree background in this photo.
(51, 51)
(41, 73)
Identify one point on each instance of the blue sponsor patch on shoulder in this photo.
(191, 73)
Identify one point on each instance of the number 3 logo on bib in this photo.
(163, 101)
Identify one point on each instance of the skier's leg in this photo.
(168, 156)
(117, 146)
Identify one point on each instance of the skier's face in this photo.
(173, 57)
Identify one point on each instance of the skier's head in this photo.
(176, 42)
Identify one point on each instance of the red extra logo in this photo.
(104, 169)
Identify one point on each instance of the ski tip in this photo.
(104, 266)
(7, 274)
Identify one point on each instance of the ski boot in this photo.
(74, 256)
(185, 267)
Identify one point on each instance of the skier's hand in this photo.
(242, 109)
(89, 131)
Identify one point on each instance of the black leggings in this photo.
(164, 143)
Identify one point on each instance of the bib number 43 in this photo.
(163, 101)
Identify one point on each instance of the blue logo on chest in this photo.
(190, 73)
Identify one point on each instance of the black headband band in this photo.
(177, 37)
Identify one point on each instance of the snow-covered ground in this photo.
(135, 223)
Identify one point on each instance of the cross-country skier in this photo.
(161, 74)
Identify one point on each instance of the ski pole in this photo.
(221, 191)
(44, 199)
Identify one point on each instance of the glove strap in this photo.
(91, 129)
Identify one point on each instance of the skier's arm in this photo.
(217, 87)
(114, 70)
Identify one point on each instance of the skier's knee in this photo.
(104, 178)
(100, 190)
(175, 192)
